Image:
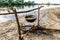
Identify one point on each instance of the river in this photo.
(4, 18)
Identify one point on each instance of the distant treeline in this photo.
(8, 3)
(48, 4)
(15, 3)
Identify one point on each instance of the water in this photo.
(4, 18)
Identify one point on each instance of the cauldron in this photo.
(30, 18)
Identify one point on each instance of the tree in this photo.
(15, 3)
(48, 3)
(19, 1)
(10, 2)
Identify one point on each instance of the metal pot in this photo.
(30, 18)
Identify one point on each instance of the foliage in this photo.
(15, 3)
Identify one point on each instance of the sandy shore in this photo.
(9, 31)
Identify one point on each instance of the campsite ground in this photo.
(9, 30)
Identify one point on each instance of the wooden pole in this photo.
(39, 14)
(17, 20)
(19, 12)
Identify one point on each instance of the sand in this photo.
(9, 30)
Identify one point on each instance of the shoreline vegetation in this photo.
(11, 3)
